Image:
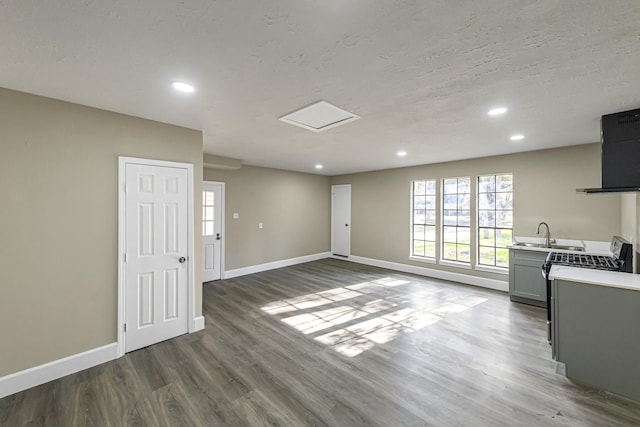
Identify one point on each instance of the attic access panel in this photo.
(319, 117)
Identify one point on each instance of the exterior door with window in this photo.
(212, 212)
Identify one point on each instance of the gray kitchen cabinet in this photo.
(526, 283)
(596, 335)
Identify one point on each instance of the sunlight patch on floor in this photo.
(378, 305)
(310, 300)
(354, 346)
(318, 320)
(450, 308)
(424, 310)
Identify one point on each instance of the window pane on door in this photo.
(208, 228)
(208, 220)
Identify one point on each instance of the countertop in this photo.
(590, 246)
(612, 279)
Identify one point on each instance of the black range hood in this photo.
(620, 153)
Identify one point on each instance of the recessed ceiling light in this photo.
(517, 137)
(401, 153)
(497, 111)
(183, 87)
(318, 166)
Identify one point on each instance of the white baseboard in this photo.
(275, 264)
(37, 375)
(198, 324)
(483, 282)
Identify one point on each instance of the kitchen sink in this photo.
(552, 246)
(529, 245)
(568, 248)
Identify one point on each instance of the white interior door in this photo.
(341, 220)
(156, 254)
(212, 226)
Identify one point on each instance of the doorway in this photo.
(341, 220)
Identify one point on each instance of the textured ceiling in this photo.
(421, 74)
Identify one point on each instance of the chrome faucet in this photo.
(548, 242)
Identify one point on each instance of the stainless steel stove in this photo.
(622, 260)
(597, 262)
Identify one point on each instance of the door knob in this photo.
(217, 236)
(182, 259)
(346, 225)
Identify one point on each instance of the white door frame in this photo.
(122, 166)
(222, 209)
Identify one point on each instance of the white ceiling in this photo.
(421, 74)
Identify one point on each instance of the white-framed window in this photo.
(208, 206)
(456, 219)
(423, 218)
(495, 219)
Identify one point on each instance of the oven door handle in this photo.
(545, 270)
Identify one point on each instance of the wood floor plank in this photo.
(164, 407)
(333, 343)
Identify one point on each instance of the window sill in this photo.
(457, 264)
(491, 269)
(422, 259)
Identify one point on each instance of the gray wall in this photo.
(59, 219)
(545, 184)
(294, 208)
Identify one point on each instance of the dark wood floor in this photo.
(338, 344)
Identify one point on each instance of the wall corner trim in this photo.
(22, 380)
(275, 264)
(198, 323)
(482, 282)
